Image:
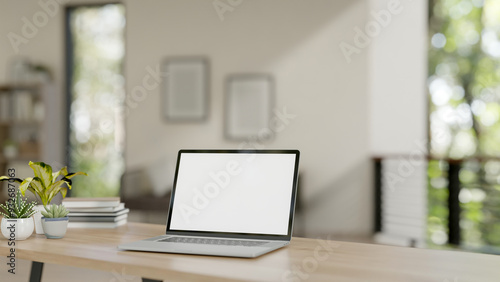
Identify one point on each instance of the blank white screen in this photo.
(237, 193)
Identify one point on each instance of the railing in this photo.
(463, 199)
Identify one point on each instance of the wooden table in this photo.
(303, 260)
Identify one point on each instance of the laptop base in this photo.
(153, 245)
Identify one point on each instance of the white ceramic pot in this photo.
(17, 228)
(55, 228)
(37, 217)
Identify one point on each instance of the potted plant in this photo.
(41, 73)
(46, 185)
(10, 149)
(17, 222)
(55, 221)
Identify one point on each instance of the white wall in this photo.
(344, 111)
(296, 42)
(398, 73)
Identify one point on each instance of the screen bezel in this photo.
(286, 237)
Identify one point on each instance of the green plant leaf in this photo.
(60, 211)
(55, 211)
(25, 208)
(7, 212)
(43, 171)
(32, 212)
(6, 178)
(54, 188)
(25, 185)
(64, 191)
(35, 186)
(17, 207)
(63, 171)
(17, 204)
(58, 187)
(48, 211)
(68, 183)
(40, 190)
(72, 174)
(32, 190)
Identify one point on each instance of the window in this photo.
(464, 118)
(95, 51)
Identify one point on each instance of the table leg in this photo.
(37, 268)
(36, 271)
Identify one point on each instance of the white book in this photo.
(120, 207)
(96, 224)
(91, 202)
(98, 218)
(83, 213)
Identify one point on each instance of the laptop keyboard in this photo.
(224, 242)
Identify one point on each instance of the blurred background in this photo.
(394, 105)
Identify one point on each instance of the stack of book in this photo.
(95, 212)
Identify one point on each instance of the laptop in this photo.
(235, 203)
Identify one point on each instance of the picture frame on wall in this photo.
(185, 88)
(249, 101)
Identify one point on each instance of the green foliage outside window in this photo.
(96, 123)
(464, 115)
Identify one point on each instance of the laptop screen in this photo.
(226, 192)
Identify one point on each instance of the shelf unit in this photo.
(22, 111)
